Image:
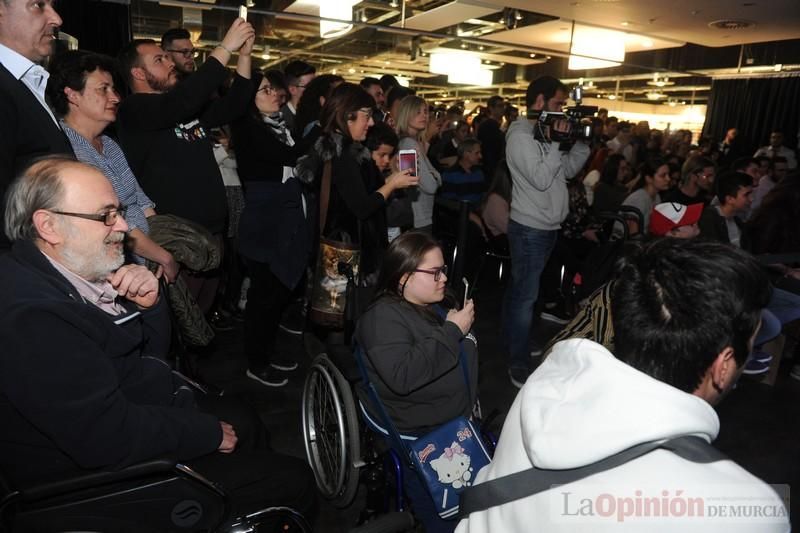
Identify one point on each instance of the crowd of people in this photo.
(202, 188)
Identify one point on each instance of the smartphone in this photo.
(466, 291)
(408, 159)
(243, 12)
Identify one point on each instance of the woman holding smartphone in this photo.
(412, 123)
(411, 344)
(265, 155)
(356, 200)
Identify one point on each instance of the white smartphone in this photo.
(407, 159)
(243, 12)
(466, 291)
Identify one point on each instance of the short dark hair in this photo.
(388, 81)
(70, 69)
(466, 145)
(677, 303)
(494, 101)
(728, 184)
(309, 107)
(381, 133)
(397, 92)
(342, 106)
(369, 81)
(173, 34)
(740, 164)
(547, 86)
(296, 69)
(128, 58)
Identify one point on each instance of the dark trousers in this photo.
(266, 300)
(253, 475)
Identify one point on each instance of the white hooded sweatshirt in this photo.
(583, 405)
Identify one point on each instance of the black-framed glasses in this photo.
(367, 111)
(185, 52)
(109, 218)
(435, 272)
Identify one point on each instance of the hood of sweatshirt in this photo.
(582, 405)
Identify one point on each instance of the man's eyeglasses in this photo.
(435, 272)
(367, 111)
(185, 52)
(109, 218)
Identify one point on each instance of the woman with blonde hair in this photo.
(412, 122)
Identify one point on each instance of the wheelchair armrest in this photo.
(610, 215)
(97, 479)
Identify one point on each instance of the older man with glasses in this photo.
(83, 385)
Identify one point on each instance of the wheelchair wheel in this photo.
(330, 429)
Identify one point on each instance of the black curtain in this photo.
(102, 27)
(756, 107)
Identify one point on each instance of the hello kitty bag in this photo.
(446, 459)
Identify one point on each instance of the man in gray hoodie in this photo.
(539, 204)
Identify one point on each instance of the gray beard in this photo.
(96, 266)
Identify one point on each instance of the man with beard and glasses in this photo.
(164, 128)
(177, 42)
(83, 386)
(28, 128)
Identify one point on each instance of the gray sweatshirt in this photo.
(539, 174)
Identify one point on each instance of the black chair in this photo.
(155, 496)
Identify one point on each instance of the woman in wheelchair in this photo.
(411, 343)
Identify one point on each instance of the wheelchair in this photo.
(156, 496)
(344, 448)
(341, 454)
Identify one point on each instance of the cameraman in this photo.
(539, 203)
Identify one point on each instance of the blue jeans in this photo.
(530, 250)
(783, 307)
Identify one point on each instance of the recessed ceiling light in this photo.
(625, 23)
(533, 55)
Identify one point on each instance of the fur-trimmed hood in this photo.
(327, 148)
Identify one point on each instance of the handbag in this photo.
(335, 260)
(447, 458)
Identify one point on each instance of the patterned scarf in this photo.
(278, 127)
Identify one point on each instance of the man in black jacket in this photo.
(82, 385)
(27, 126)
(164, 131)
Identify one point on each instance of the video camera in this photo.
(578, 117)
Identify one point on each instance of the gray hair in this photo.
(466, 145)
(38, 187)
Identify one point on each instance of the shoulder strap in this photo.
(535, 480)
(324, 194)
(394, 435)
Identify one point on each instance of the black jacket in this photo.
(81, 389)
(356, 211)
(413, 361)
(166, 141)
(26, 131)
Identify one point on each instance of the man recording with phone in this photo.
(539, 204)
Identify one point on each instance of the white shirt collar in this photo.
(15, 63)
